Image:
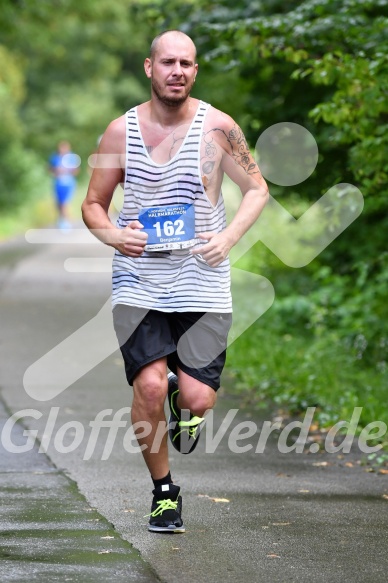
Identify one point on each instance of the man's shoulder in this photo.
(222, 126)
(113, 139)
(219, 119)
(117, 126)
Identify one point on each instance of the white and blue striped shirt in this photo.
(170, 281)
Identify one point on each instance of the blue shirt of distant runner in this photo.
(64, 180)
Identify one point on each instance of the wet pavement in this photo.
(48, 530)
(261, 517)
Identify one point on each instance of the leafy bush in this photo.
(22, 177)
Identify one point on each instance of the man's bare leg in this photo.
(150, 391)
(149, 394)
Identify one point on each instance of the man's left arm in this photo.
(238, 163)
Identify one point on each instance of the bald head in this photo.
(171, 67)
(178, 35)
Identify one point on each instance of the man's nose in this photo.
(177, 69)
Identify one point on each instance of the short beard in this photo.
(170, 101)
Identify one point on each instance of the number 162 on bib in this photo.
(169, 227)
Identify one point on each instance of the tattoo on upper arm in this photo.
(210, 151)
(207, 167)
(238, 149)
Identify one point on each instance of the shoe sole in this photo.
(171, 529)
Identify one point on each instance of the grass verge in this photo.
(294, 372)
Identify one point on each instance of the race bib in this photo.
(169, 227)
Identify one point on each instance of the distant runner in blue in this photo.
(64, 166)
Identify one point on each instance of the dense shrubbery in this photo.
(323, 343)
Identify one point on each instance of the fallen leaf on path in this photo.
(273, 556)
(129, 510)
(212, 498)
(318, 438)
(321, 464)
(385, 496)
(349, 465)
(383, 471)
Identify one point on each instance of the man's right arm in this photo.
(106, 176)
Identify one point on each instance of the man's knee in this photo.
(199, 401)
(150, 389)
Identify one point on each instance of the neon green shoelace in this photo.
(191, 427)
(162, 506)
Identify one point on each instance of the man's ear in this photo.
(148, 67)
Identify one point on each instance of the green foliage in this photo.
(19, 171)
(67, 71)
(296, 370)
(21, 178)
(357, 110)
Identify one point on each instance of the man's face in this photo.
(173, 69)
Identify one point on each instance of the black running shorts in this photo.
(195, 342)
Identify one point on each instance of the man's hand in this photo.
(215, 250)
(131, 240)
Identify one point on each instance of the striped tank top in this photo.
(175, 280)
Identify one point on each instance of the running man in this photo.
(172, 304)
(64, 166)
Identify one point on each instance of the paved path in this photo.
(49, 532)
(265, 517)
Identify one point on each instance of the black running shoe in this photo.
(166, 510)
(183, 428)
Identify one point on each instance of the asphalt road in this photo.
(249, 516)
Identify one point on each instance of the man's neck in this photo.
(170, 116)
